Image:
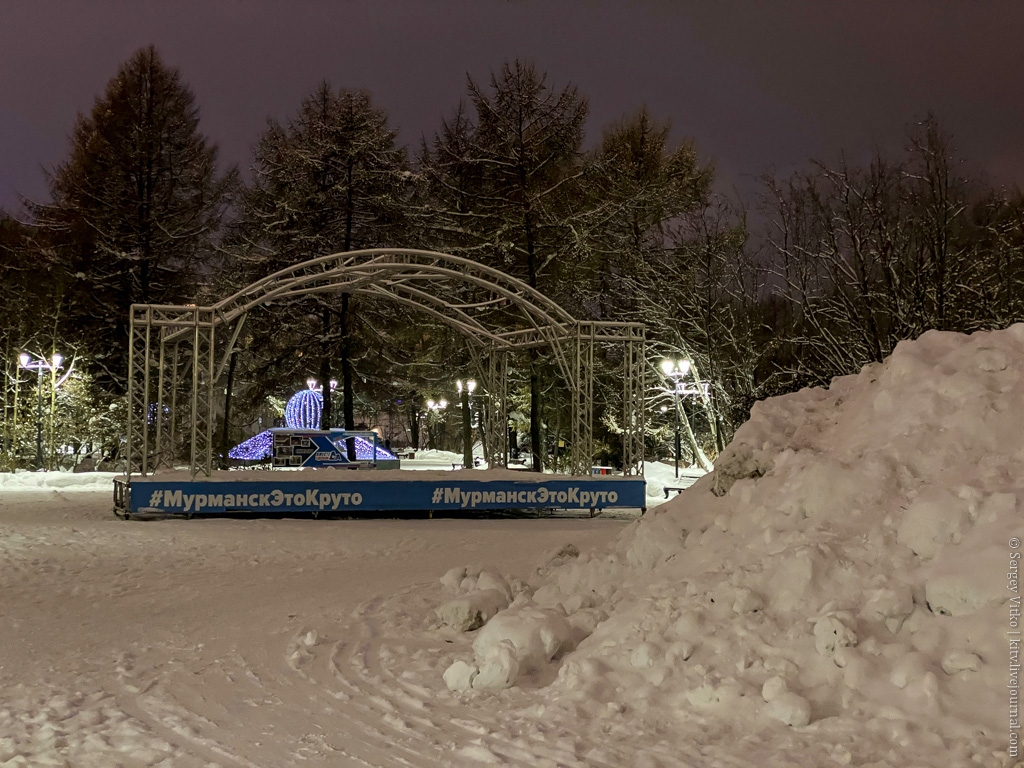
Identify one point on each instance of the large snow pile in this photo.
(842, 577)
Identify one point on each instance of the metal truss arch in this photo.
(497, 313)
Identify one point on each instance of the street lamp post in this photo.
(41, 365)
(39, 420)
(57, 360)
(467, 425)
(675, 370)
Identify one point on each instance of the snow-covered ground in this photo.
(230, 642)
(841, 591)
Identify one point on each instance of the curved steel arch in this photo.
(347, 270)
(496, 312)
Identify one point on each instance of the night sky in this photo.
(761, 87)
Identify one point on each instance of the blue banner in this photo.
(210, 496)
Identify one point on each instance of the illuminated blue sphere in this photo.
(304, 409)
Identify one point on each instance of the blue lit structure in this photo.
(303, 411)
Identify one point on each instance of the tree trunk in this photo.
(484, 436)
(348, 398)
(326, 416)
(225, 434)
(536, 434)
(702, 460)
(414, 422)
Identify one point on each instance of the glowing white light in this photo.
(675, 367)
(311, 383)
(57, 360)
(23, 359)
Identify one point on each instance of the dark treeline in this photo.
(850, 260)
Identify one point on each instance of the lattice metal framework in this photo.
(492, 368)
(633, 390)
(496, 313)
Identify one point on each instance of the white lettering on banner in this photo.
(574, 496)
(319, 499)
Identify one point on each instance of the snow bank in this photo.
(843, 571)
(65, 481)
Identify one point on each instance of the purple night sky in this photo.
(760, 86)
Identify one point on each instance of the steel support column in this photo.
(633, 393)
(495, 387)
(201, 461)
(137, 438)
(582, 393)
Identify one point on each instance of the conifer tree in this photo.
(330, 180)
(501, 183)
(134, 208)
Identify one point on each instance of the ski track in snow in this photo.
(251, 643)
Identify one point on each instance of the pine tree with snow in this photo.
(134, 209)
(330, 180)
(499, 187)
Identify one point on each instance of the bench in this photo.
(677, 489)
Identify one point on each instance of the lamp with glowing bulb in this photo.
(26, 361)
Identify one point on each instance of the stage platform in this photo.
(350, 493)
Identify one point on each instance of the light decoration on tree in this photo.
(303, 411)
